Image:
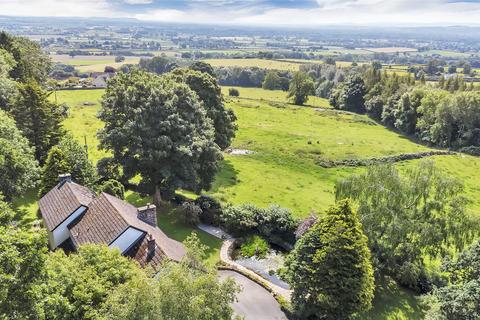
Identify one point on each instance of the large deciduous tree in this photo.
(301, 86)
(460, 298)
(185, 290)
(159, 129)
(76, 286)
(31, 61)
(22, 257)
(8, 88)
(350, 95)
(330, 269)
(39, 119)
(406, 216)
(209, 92)
(203, 67)
(19, 170)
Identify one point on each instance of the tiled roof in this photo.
(60, 202)
(140, 253)
(107, 217)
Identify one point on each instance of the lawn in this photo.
(288, 141)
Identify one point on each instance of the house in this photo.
(74, 215)
(100, 79)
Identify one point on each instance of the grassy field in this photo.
(274, 96)
(93, 63)
(260, 63)
(287, 141)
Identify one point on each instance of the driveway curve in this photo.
(254, 302)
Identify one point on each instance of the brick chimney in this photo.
(148, 214)
(150, 246)
(66, 177)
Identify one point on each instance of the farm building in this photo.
(75, 215)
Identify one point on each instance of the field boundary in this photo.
(382, 160)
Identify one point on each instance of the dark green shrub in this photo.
(190, 213)
(114, 188)
(275, 224)
(211, 210)
(232, 92)
(240, 220)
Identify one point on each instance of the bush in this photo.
(240, 219)
(275, 224)
(190, 213)
(113, 187)
(232, 92)
(254, 246)
(211, 210)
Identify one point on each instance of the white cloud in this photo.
(253, 12)
(361, 12)
(56, 8)
(138, 1)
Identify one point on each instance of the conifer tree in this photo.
(55, 165)
(39, 119)
(330, 269)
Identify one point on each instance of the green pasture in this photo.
(260, 63)
(278, 96)
(93, 63)
(287, 142)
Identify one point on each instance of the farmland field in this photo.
(391, 50)
(288, 141)
(260, 63)
(273, 96)
(93, 63)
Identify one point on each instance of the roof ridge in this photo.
(109, 198)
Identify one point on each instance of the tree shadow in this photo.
(226, 177)
(392, 301)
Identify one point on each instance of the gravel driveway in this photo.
(254, 302)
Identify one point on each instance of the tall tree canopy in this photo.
(159, 129)
(203, 67)
(39, 119)
(158, 65)
(55, 165)
(80, 167)
(209, 92)
(31, 61)
(19, 170)
(22, 257)
(185, 290)
(460, 298)
(301, 86)
(407, 216)
(76, 286)
(350, 95)
(8, 88)
(330, 269)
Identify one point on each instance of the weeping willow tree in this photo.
(410, 215)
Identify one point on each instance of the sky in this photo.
(301, 13)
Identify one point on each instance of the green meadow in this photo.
(260, 63)
(287, 142)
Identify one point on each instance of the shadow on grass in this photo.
(394, 302)
(27, 206)
(226, 177)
